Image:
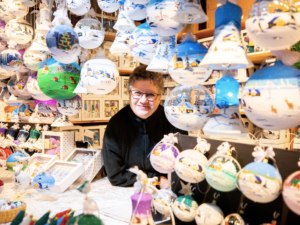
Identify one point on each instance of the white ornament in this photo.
(79, 7)
(19, 30)
(34, 61)
(134, 11)
(16, 8)
(69, 107)
(108, 6)
(209, 214)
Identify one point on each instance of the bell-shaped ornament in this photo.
(124, 23)
(108, 6)
(28, 3)
(4, 14)
(209, 214)
(34, 61)
(44, 22)
(227, 51)
(11, 85)
(61, 121)
(190, 12)
(16, 8)
(120, 46)
(19, 30)
(90, 31)
(134, 11)
(79, 7)
(141, 209)
(160, 61)
(159, 17)
(10, 59)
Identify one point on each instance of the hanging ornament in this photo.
(21, 82)
(190, 164)
(1, 186)
(3, 129)
(25, 111)
(33, 137)
(108, 6)
(43, 182)
(34, 61)
(34, 89)
(12, 132)
(4, 14)
(11, 85)
(141, 2)
(38, 145)
(120, 46)
(99, 75)
(233, 219)
(159, 17)
(124, 23)
(270, 97)
(43, 22)
(39, 44)
(21, 179)
(143, 42)
(190, 12)
(222, 169)
(160, 204)
(28, 3)
(188, 107)
(10, 59)
(16, 8)
(58, 80)
(260, 181)
(22, 136)
(271, 134)
(90, 31)
(3, 35)
(61, 121)
(79, 7)
(227, 51)
(274, 25)
(164, 154)
(184, 65)
(44, 112)
(5, 151)
(15, 159)
(62, 40)
(135, 11)
(163, 52)
(70, 107)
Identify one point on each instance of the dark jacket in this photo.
(128, 141)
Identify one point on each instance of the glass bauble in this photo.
(11, 60)
(108, 6)
(79, 7)
(185, 208)
(12, 85)
(70, 107)
(291, 190)
(29, 3)
(3, 35)
(161, 204)
(12, 161)
(21, 83)
(43, 182)
(4, 14)
(16, 8)
(5, 152)
(34, 89)
(25, 111)
(188, 107)
(134, 11)
(34, 61)
(233, 219)
(209, 214)
(271, 134)
(21, 181)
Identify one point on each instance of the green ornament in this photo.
(53, 221)
(84, 220)
(44, 219)
(71, 215)
(18, 219)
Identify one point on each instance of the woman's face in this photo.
(142, 107)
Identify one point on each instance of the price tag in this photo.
(47, 143)
(89, 133)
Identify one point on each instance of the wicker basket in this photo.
(9, 215)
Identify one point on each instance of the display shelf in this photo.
(92, 121)
(258, 58)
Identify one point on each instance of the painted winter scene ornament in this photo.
(143, 43)
(209, 214)
(4, 14)
(34, 89)
(61, 121)
(79, 7)
(190, 164)
(185, 63)
(233, 219)
(10, 59)
(135, 11)
(164, 154)
(43, 182)
(108, 6)
(120, 46)
(34, 61)
(188, 107)
(19, 30)
(274, 25)
(15, 159)
(25, 110)
(3, 35)
(39, 44)
(69, 107)
(58, 80)
(124, 23)
(99, 75)
(159, 17)
(271, 134)
(142, 2)
(17, 9)
(185, 208)
(160, 203)
(44, 112)
(270, 97)
(222, 169)
(28, 3)
(21, 179)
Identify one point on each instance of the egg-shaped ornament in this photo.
(161, 203)
(62, 41)
(290, 192)
(164, 154)
(188, 107)
(21, 180)
(10, 59)
(15, 159)
(79, 7)
(135, 11)
(99, 75)
(270, 97)
(209, 214)
(44, 112)
(70, 107)
(259, 181)
(159, 17)
(190, 164)
(19, 30)
(43, 182)
(222, 169)
(143, 43)
(3, 35)
(90, 32)
(34, 61)
(185, 208)
(4, 14)
(25, 111)
(34, 89)
(233, 219)
(273, 25)
(16, 8)
(108, 6)
(58, 80)
(185, 62)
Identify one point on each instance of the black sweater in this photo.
(128, 141)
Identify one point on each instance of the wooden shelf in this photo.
(125, 72)
(109, 37)
(258, 58)
(93, 121)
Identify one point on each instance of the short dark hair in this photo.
(140, 73)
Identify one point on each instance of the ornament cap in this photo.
(266, 160)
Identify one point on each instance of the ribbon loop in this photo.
(223, 149)
(170, 138)
(202, 145)
(3, 125)
(16, 126)
(26, 127)
(259, 153)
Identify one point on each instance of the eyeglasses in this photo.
(151, 97)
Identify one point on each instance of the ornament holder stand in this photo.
(282, 142)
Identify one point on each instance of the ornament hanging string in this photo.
(202, 145)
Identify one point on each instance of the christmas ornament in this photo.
(43, 22)
(124, 23)
(34, 61)
(190, 164)
(222, 169)
(16, 8)
(79, 7)
(4, 14)
(39, 44)
(25, 111)
(61, 121)
(260, 181)
(28, 3)
(188, 107)
(62, 40)
(12, 132)
(43, 182)
(164, 154)
(163, 52)
(22, 136)
(21, 82)
(14, 159)
(108, 6)
(3, 35)
(269, 97)
(38, 145)
(135, 11)
(186, 58)
(11, 85)
(3, 129)
(120, 46)
(159, 202)
(89, 30)
(10, 59)
(85, 219)
(143, 42)
(273, 25)
(159, 17)
(271, 134)
(227, 50)
(34, 89)
(58, 80)
(44, 112)
(19, 30)
(70, 107)
(233, 219)
(21, 179)
(99, 75)
(5, 152)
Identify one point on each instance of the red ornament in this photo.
(4, 153)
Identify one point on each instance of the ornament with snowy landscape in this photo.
(43, 113)
(58, 80)
(12, 85)
(17, 9)
(161, 204)
(290, 194)
(34, 89)
(4, 14)
(21, 83)
(185, 62)
(120, 46)
(43, 182)
(34, 61)
(209, 214)
(270, 98)
(3, 35)
(79, 7)
(159, 17)
(11, 60)
(25, 110)
(19, 30)
(185, 208)
(135, 11)
(143, 43)
(188, 107)
(61, 121)
(69, 107)
(108, 6)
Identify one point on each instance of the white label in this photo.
(89, 133)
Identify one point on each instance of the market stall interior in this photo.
(230, 71)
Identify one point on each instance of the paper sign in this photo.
(89, 133)
(47, 143)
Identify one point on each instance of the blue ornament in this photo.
(13, 161)
(43, 181)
